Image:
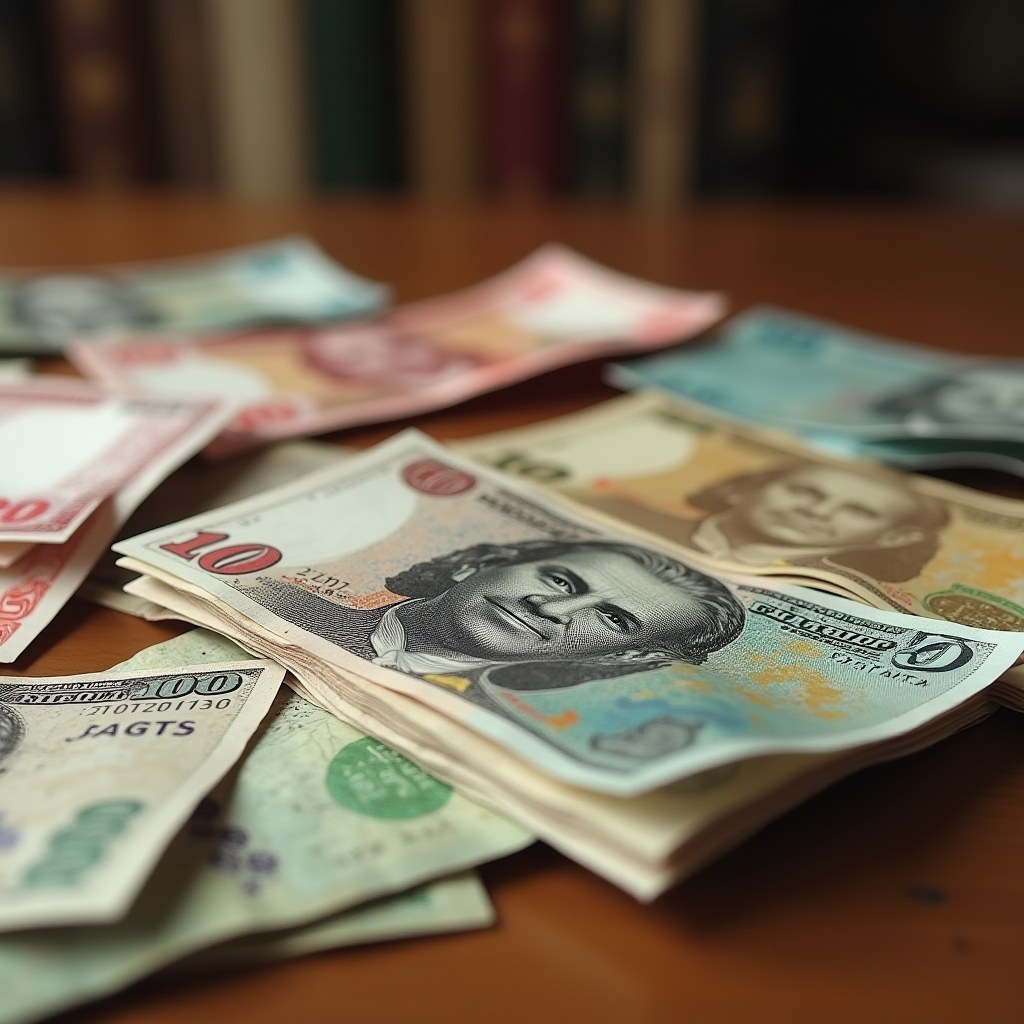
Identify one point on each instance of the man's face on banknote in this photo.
(583, 604)
(821, 506)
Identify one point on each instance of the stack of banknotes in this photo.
(638, 632)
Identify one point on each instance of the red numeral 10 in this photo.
(22, 511)
(229, 560)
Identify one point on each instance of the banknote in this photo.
(66, 445)
(101, 770)
(290, 280)
(315, 820)
(595, 652)
(554, 308)
(777, 367)
(38, 581)
(458, 903)
(759, 502)
(645, 843)
(195, 487)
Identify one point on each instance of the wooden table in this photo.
(895, 896)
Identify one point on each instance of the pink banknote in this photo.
(38, 583)
(554, 308)
(65, 446)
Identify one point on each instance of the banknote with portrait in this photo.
(760, 502)
(554, 308)
(598, 653)
(781, 368)
(287, 281)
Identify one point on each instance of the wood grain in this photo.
(895, 896)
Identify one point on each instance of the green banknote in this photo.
(317, 819)
(457, 903)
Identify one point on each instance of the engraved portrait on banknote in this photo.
(803, 513)
(591, 604)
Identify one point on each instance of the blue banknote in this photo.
(830, 382)
(286, 281)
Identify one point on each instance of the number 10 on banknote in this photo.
(595, 652)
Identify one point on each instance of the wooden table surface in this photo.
(897, 895)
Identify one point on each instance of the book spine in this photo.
(525, 62)
(742, 96)
(354, 90)
(663, 101)
(597, 97)
(28, 141)
(104, 95)
(441, 41)
(256, 60)
(181, 44)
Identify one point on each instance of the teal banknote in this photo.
(318, 818)
(826, 380)
(287, 281)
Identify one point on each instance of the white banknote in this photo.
(99, 772)
(37, 580)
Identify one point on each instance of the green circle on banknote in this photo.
(371, 779)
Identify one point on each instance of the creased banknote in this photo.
(316, 819)
(793, 371)
(596, 653)
(458, 903)
(66, 445)
(552, 309)
(200, 485)
(37, 581)
(100, 771)
(759, 502)
(287, 281)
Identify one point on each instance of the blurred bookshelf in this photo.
(650, 102)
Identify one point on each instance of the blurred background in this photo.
(649, 102)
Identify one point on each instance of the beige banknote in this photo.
(759, 502)
(554, 308)
(100, 771)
